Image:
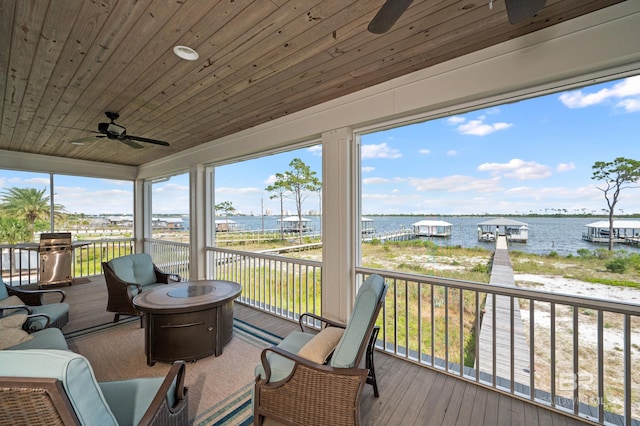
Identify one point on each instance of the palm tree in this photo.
(29, 204)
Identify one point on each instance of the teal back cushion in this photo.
(365, 307)
(134, 268)
(3, 290)
(73, 370)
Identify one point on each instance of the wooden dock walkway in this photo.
(502, 274)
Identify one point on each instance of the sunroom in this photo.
(282, 77)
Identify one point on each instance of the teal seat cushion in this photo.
(54, 311)
(75, 373)
(49, 338)
(281, 367)
(134, 268)
(129, 399)
(365, 306)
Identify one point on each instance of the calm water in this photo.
(546, 234)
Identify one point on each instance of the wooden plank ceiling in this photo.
(64, 63)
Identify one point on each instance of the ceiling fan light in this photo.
(185, 52)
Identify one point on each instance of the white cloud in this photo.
(628, 90)
(367, 169)
(316, 149)
(456, 183)
(630, 105)
(456, 119)
(38, 181)
(381, 150)
(379, 180)
(171, 187)
(477, 127)
(375, 181)
(452, 153)
(424, 151)
(270, 180)
(229, 190)
(517, 169)
(565, 167)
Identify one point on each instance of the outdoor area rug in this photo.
(220, 387)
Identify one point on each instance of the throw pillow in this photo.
(13, 321)
(11, 301)
(321, 346)
(13, 336)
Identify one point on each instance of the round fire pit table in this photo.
(187, 320)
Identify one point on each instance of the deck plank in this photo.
(410, 394)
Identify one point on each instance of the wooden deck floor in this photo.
(409, 394)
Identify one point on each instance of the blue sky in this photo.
(532, 155)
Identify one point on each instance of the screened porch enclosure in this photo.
(427, 322)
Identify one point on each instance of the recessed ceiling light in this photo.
(185, 52)
(77, 143)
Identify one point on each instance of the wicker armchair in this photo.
(43, 315)
(126, 277)
(294, 388)
(54, 387)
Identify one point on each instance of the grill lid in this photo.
(55, 239)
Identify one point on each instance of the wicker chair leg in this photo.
(371, 378)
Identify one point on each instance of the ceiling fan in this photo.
(114, 131)
(517, 11)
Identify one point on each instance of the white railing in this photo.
(585, 352)
(280, 285)
(170, 256)
(20, 266)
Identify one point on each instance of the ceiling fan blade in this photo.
(81, 141)
(521, 10)
(147, 140)
(388, 14)
(129, 142)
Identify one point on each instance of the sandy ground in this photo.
(613, 338)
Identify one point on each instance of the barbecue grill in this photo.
(55, 258)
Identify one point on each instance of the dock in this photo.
(400, 235)
(500, 329)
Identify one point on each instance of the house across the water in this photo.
(516, 232)
(432, 228)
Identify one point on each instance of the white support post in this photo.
(337, 224)
(200, 202)
(141, 214)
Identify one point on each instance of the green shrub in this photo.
(617, 265)
(553, 254)
(585, 253)
(603, 253)
(479, 267)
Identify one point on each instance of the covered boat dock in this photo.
(432, 228)
(517, 232)
(624, 231)
(293, 224)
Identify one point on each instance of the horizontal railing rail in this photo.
(280, 285)
(584, 351)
